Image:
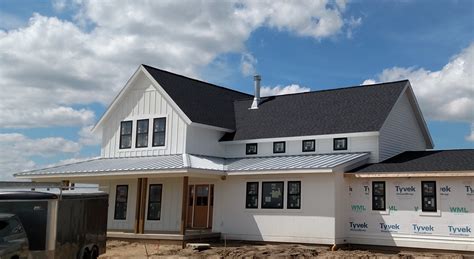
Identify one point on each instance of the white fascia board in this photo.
(411, 174)
(326, 136)
(168, 98)
(117, 97)
(210, 127)
(291, 171)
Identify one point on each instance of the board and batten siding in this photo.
(143, 101)
(111, 187)
(323, 146)
(202, 141)
(401, 131)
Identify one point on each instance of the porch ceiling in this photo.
(196, 164)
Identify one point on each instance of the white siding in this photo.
(202, 141)
(313, 223)
(111, 187)
(143, 101)
(323, 146)
(401, 131)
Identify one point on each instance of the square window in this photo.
(251, 149)
(340, 144)
(272, 195)
(309, 145)
(279, 147)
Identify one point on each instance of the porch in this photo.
(190, 235)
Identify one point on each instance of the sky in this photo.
(63, 61)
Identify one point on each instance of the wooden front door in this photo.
(200, 204)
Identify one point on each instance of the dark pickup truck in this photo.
(13, 239)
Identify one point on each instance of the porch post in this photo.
(139, 226)
(184, 205)
(136, 227)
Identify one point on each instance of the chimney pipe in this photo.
(256, 99)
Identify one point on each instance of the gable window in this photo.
(294, 195)
(378, 195)
(159, 132)
(428, 196)
(272, 195)
(125, 134)
(251, 198)
(309, 145)
(154, 202)
(279, 147)
(340, 144)
(251, 149)
(142, 133)
(121, 196)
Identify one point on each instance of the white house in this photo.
(335, 166)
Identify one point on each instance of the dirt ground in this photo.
(123, 249)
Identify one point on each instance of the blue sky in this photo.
(72, 57)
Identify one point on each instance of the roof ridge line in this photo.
(198, 80)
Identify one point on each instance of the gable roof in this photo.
(424, 161)
(202, 102)
(345, 110)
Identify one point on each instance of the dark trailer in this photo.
(66, 225)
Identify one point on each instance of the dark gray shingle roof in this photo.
(424, 161)
(345, 110)
(202, 102)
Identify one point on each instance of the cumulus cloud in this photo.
(247, 64)
(470, 137)
(87, 137)
(446, 94)
(279, 90)
(50, 66)
(17, 151)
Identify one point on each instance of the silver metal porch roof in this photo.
(189, 161)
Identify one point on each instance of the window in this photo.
(142, 134)
(202, 195)
(378, 195)
(159, 132)
(121, 196)
(251, 149)
(428, 196)
(154, 202)
(309, 145)
(272, 195)
(279, 147)
(125, 134)
(340, 144)
(251, 199)
(294, 195)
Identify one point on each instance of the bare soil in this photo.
(123, 249)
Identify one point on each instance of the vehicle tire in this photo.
(95, 253)
(87, 254)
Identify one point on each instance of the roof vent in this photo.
(256, 99)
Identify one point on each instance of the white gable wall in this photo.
(204, 141)
(401, 131)
(143, 101)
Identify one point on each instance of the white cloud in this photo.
(279, 90)
(446, 94)
(87, 137)
(17, 150)
(51, 65)
(247, 64)
(470, 137)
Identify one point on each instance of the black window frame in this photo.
(141, 134)
(247, 148)
(384, 195)
(263, 206)
(154, 202)
(289, 195)
(334, 144)
(155, 133)
(116, 202)
(423, 195)
(248, 196)
(279, 142)
(126, 135)
(308, 140)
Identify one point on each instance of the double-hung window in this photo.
(251, 198)
(378, 195)
(159, 132)
(272, 195)
(125, 134)
(428, 196)
(294, 195)
(154, 202)
(142, 133)
(121, 197)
